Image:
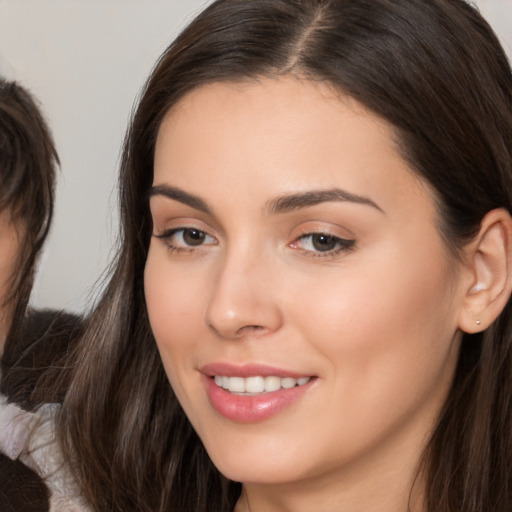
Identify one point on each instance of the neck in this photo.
(380, 498)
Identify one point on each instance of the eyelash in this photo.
(342, 244)
(167, 235)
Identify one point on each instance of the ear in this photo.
(489, 265)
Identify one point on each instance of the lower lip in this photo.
(250, 409)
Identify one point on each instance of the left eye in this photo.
(322, 243)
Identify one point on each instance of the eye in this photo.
(319, 244)
(193, 237)
(186, 238)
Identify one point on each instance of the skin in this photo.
(10, 246)
(376, 325)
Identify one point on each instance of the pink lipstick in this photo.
(252, 393)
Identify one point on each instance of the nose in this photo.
(244, 300)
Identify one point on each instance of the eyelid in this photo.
(167, 214)
(343, 244)
(324, 228)
(167, 234)
(167, 221)
(346, 241)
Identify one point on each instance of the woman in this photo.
(27, 172)
(315, 253)
(32, 474)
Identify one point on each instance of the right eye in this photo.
(186, 239)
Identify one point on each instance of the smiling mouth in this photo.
(250, 386)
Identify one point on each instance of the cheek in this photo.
(175, 311)
(9, 255)
(388, 320)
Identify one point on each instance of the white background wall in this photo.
(86, 60)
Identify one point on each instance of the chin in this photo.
(255, 475)
(258, 465)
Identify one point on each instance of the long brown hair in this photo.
(28, 162)
(433, 69)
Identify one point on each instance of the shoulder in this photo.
(21, 488)
(31, 460)
(44, 456)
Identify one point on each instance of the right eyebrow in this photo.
(176, 194)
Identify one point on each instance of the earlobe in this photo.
(489, 259)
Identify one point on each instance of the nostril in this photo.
(233, 332)
(250, 329)
(244, 331)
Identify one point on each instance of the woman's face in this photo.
(295, 261)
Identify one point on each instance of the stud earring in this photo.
(478, 321)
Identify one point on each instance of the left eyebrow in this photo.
(298, 201)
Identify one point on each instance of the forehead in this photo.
(286, 132)
(288, 98)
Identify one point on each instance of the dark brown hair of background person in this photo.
(433, 69)
(28, 161)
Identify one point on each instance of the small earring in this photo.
(478, 321)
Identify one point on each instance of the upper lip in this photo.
(248, 370)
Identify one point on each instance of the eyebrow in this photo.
(181, 196)
(292, 202)
(283, 204)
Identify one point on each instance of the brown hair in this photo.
(433, 69)
(28, 160)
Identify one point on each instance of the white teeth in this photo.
(272, 383)
(254, 384)
(236, 384)
(257, 384)
(288, 383)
